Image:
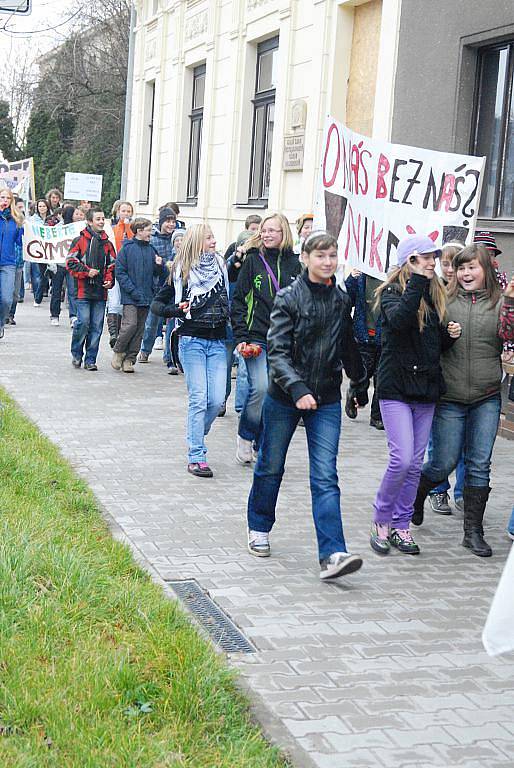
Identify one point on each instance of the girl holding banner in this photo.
(11, 231)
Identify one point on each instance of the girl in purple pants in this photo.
(414, 333)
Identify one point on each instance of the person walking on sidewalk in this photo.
(90, 261)
(162, 242)
(414, 333)
(18, 278)
(438, 497)
(11, 231)
(366, 320)
(310, 341)
(137, 265)
(269, 265)
(468, 415)
(196, 293)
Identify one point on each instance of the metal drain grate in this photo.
(216, 623)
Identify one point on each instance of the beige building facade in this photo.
(229, 100)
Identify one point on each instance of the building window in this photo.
(263, 121)
(147, 141)
(494, 130)
(195, 135)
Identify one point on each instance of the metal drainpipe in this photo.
(128, 104)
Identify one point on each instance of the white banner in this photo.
(371, 194)
(19, 177)
(82, 186)
(51, 244)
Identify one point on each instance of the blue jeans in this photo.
(153, 329)
(444, 487)
(57, 280)
(510, 526)
(71, 288)
(241, 379)
(257, 372)
(35, 279)
(241, 385)
(18, 284)
(166, 355)
(7, 278)
(469, 428)
(323, 428)
(203, 361)
(88, 329)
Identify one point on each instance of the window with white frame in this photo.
(195, 132)
(145, 174)
(263, 121)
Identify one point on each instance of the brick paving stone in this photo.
(327, 675)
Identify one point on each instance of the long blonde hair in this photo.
(287, 235)
(401, 276)
(15, 213)
(191, 249)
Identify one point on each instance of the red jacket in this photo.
(81, 259)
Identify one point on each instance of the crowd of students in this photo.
(275, 305)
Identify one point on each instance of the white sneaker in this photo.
(35, 304)
(158, 343)
(54, 321)
(339, 564)
(258, 543)
(244, 451)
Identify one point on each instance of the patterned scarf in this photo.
(203, 281)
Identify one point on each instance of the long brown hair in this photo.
(438, 294)
(481, 254)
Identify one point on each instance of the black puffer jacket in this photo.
(310, 341)
(409, 368)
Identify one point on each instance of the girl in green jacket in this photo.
(467, 417)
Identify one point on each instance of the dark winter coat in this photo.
(254, 294)
(135, 272)
(356, 287)
(166, 304)
(409, 368)
(310, 341)
(10, 237)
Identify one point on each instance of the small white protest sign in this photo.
(83, 186)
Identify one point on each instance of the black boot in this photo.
(113, 326)
(350, 408)
(475, 500)
(424, 487)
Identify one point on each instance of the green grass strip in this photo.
(97, 667)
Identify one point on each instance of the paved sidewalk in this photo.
(385, 668)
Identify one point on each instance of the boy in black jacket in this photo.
(310, 340)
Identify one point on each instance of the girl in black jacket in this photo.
(412, 303)
(310, 340)
(269, 265)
